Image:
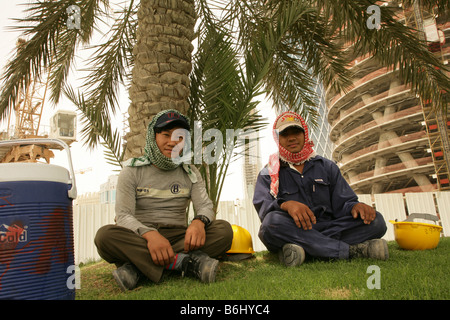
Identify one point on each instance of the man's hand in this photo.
(302, 215)
(195, 236)
(366, 212)
(159, 248)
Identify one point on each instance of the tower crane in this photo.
(28, 112)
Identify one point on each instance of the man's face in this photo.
(165, 143)
(292, 139)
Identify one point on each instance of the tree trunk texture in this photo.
(162, 63)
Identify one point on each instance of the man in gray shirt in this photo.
(153, 194)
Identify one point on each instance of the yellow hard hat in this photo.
(416, 235)
(242, 241)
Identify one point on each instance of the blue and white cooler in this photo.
(36, 229)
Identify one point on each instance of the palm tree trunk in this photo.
(162, 63)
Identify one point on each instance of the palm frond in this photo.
(220, 100)
(112, 61)
(297, 50)
(441, 5)
(394, 45)
(47, 36)
(60, 66)
(97, 128)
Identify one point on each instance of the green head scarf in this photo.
(154, 156)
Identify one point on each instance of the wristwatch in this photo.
(203, 219)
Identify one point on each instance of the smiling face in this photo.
(292, 139)
(170, 141)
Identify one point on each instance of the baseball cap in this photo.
(288, 119)
(171, 117)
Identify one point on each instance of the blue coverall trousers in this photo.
(329, 238)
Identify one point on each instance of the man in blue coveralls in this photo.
(306, 206)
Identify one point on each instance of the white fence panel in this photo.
(242, 213)
(366, 198)
(90, 215)
(251, 223)
(391, 206)
(443, 202)
(226, 210)
(421, 202)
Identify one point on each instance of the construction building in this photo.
(385, 138)
(320, 134)
(252, 164)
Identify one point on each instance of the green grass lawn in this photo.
(418, 275)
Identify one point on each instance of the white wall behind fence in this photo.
(90, 215)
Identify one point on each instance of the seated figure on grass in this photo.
(307, 208)
(151, 234)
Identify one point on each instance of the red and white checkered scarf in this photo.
(293, 158)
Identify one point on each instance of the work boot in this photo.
(126, 276)
(375, 249)
(199, 265)
(291, 255)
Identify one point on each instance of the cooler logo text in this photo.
(10, 236)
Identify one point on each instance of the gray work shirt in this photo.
(148, 196)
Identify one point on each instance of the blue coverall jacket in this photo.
(324, 190)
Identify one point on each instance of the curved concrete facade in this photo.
(381, 140)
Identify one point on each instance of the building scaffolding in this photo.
(436, 122)
(382, 132)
